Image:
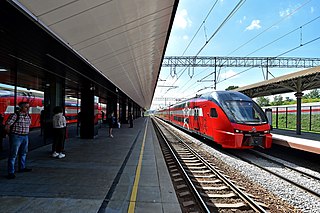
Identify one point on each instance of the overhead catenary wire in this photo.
(297, 47)
(283, 36)
(290, 14)
(276, 23)
(235, 9)
(203, 22)
(279, 38)
(270, 27)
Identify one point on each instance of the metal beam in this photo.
(265, 62)
(167, 99)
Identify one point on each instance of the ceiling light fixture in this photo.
(2, 69)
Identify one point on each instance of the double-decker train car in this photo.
(228, 118)
(36, 106)
(71, 111)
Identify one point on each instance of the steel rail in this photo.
(189, 181)
(250, 202)
(234, 188)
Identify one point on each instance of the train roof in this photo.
(219, 97)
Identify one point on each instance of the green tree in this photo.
(232, 87)
(263, 101)
(288, 101)
(277, 100)
(313, 94)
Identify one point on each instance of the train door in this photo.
(204, 118)
(196, 120)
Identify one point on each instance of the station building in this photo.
(91, 59)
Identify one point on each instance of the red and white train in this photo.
(228, 118)
(306, 108)
(36, 106)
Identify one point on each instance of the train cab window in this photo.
(213, 113)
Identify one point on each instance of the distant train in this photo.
(306, 108)
(36, 106)
(228, 118)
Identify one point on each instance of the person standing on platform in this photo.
(17, 126)
(112, 123)
(59, 132)
(130, 120)
(102, 116)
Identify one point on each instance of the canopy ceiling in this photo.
(125, 40)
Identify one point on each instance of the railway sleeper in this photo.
(185, 153)
(208, 181)
(202, 176)
(200, 171)
(174, 170)
(228, 205)
(191, 161)
(193, 167)
(188, 203)
(229, 195)
(182, 186)
(188, 158)
(193, 164)
(184, 193)
(216, 188)
(176, 175)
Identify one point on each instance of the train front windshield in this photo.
(248, 112)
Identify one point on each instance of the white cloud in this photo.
(288, 11)
(255, 24)
(181, 19)
(228, 74)
(311, 9)
(242, 20)
(284, 13)
(185, 37)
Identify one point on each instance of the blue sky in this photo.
(255, 24)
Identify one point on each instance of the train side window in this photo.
(213, 113)
(9, 110)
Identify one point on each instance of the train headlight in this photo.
(237, 131)
(266, 131)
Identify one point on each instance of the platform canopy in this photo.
(294, 82)
(125, 40)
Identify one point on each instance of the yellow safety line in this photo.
(137, 178)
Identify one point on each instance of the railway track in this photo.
(304, 180)
(199, 185)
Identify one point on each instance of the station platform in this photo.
(126, 173)
(309, 142)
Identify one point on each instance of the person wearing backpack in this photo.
(17, 126)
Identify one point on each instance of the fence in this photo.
(285, 117)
